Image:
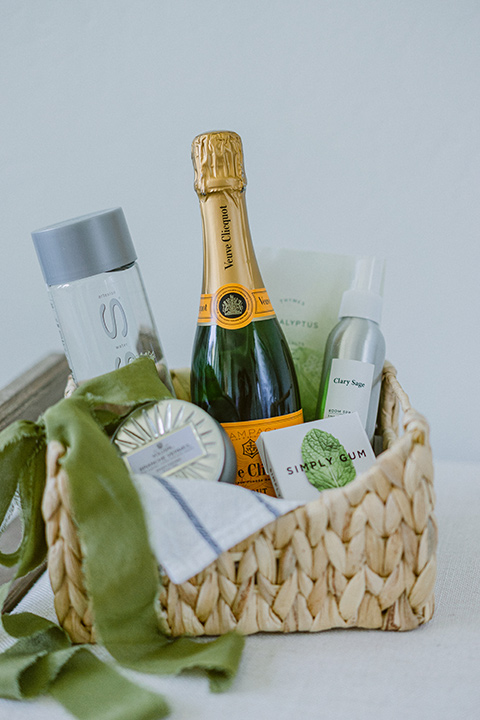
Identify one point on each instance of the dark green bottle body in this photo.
(244, 374)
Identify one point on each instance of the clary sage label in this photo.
(349, 388)
(250, 470)
(233, 306)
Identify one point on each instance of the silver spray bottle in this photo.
(355, 350)
(97, 294)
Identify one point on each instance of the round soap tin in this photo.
(176, 439)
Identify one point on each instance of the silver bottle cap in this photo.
(84, 246)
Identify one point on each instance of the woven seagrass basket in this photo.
(359, 556)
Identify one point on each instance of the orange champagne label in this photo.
(250, 471)
(233, 306)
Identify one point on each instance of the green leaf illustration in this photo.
(327, 462)
(308, 366)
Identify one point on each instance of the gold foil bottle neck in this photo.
(218, 162)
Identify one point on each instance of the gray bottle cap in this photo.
(84, 246)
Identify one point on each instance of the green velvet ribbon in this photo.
(119, 567)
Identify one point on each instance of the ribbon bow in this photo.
(120, 569)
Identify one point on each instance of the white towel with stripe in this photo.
(191, 522)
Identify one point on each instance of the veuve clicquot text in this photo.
(242, 370)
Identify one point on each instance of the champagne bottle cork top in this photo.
(218, 162)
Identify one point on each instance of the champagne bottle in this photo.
(242, 371)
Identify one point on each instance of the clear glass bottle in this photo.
(242, 370)
(355, 350)
(97, 294)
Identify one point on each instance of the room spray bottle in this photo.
(355, 350)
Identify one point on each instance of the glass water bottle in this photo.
(97, 294)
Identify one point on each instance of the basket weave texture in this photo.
(360, 556)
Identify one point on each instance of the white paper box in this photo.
(281, 453)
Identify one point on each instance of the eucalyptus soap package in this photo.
(304, 459)
(306, 290)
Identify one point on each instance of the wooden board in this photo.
(35, 390)
(26, 398)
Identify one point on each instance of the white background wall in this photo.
(361, 127)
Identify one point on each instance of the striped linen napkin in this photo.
(191, 522)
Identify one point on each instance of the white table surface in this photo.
(429, 673)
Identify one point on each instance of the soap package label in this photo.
(168, 453)
(309, 311)
(304, 459)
